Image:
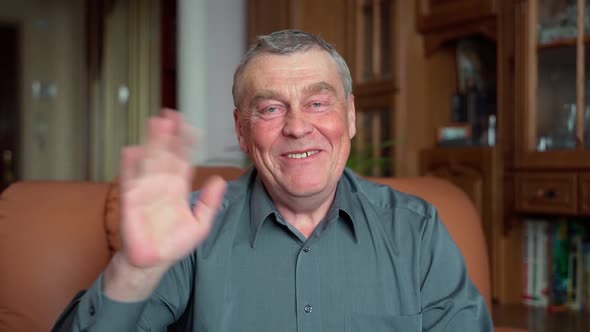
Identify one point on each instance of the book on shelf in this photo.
(586, 274)
(560, 272)
(528, 296)
(543, 288)
(575, 268)
(556, 263)
(537, 288)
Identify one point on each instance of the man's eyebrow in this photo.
(263, 95)
(319, 87)
(308, 90)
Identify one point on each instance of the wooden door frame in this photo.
(15, 119)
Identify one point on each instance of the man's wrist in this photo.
(127, 283)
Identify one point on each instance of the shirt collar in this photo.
(344, 205)
(261, 207)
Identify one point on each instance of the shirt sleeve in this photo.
(450, 300)
(94, 311)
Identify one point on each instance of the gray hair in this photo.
(288, 42)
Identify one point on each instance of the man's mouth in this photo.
(302, 155)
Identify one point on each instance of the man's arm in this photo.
(450, 300)
(93, 310)
(158, 226)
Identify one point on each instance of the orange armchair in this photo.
(56, 237)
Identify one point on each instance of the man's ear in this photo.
(240, 131)
(351, 113)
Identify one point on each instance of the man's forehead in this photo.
(315, 64)
(312, 57)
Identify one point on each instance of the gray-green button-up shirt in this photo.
(381, 260)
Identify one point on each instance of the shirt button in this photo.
(306, 248)
(308, 308)
(91, 311)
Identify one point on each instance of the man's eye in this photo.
(270, 111)
(317, 104)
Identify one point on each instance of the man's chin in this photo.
(304, 188)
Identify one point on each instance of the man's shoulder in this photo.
(385, 197)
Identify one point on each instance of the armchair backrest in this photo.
(52, 244)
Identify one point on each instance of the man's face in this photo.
(295, 122)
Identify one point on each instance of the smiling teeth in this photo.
(302, 155)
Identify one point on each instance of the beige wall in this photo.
(52, 51)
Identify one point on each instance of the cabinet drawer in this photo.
(547, 193)
(585, 193)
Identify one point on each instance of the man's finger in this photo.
(130, 162)
(158, 148)
(185, 136)
(209, 202)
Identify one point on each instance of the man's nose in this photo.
(296, 124)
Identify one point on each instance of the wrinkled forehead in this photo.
(267, 68)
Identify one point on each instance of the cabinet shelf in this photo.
(562, 42)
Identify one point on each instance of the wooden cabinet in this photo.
(546, 128)
(553, 91)
(436, 14)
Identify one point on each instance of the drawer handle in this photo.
(546, 193)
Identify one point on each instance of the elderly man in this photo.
(299, 243)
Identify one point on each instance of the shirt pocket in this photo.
(363, 322)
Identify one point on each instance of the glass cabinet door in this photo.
(375, 89)
(557, 76)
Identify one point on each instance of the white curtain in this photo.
(126, 90)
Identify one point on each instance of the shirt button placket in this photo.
(308, 290)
